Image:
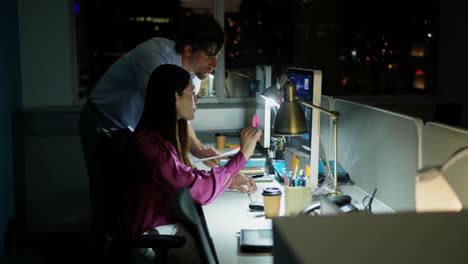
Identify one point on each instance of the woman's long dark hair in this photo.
(160, 112)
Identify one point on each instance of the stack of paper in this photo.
(254, 166)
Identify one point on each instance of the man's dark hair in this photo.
(201, 32)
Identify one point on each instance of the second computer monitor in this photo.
(308, 83)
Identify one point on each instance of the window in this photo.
(361, 48)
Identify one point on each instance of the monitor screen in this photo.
(308, 89)
(308, 83)
(263, 112)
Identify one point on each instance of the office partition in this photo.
(440, 141)
(380, 149)
(363, 238)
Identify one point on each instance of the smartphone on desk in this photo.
(256, 240)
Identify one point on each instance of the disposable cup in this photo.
(271, 201)
(220, 139)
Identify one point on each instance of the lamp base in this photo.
(335, 193)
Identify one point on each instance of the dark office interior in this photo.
(365, 78)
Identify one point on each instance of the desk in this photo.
(229, 213)
(226, 216)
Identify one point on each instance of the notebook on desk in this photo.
(262, 178)
(256, 240)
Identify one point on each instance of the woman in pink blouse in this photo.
(163, 165)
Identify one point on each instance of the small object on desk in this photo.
(256, 176)
(256, 206)
(271, 201)
(256, 240)
(252, 171)
(220, 139)
(348, 208)
(339, 200)
(264, 178)
(296, 198)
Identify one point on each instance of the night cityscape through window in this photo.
(362, 48)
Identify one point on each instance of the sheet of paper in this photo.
(226, 153)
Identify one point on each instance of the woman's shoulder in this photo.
(148, 136)
(151, 139)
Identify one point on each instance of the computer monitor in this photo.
(308, 83)
(306, 89)
(263, 112)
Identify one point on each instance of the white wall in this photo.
(223, 118)
(47, 48)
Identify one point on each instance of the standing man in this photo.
(116, 103)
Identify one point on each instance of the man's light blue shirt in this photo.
(119, 94)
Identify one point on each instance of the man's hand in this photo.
(209, 152)
(198, 149)
(243, 184)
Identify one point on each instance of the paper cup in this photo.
(271, 201)
(220, 139)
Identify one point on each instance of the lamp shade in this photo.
(290, 119)
(434, 193)
(443, 188)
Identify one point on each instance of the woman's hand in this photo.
(248, 140)
(243, 184)
(209, 152)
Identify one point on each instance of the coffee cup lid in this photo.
(220, 134)
(271, 191)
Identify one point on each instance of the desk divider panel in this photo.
(362, 238)
(380, 149)
(440, 141)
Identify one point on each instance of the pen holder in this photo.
(296, 198)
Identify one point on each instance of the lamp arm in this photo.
(334, 114)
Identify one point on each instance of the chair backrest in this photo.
(190, 215)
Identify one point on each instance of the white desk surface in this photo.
(229, 213)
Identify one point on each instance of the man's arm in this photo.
(198, 149)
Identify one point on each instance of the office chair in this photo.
(82, 247)
(190, 215)
(108, 189)
(102, 239)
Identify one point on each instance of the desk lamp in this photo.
(272, 93)
(436, 186)
(290, 121)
